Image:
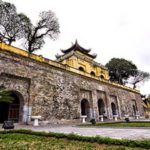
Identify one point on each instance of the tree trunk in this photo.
(134, 85)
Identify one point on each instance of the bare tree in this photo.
(141, 76)
(47, 26)
(12, 25)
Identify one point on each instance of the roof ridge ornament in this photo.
(57, 56)
(94, 54)
(76, 46)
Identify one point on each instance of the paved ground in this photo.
(106, 132)
(128, 133)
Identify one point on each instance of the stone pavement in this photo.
(105, 132)
(118, 133)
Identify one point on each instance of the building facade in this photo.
(72, 86)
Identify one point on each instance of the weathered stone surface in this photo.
(55, 93)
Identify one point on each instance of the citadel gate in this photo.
(12, 111)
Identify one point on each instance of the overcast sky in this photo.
(111, 28)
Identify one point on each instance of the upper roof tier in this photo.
(77, 47)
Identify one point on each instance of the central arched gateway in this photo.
(114, 109)
(12, 111)
(101, 107)
(85, 108)
(134, 110)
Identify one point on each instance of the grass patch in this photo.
(120, 124)
(26, 139)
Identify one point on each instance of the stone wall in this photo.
(56, 93)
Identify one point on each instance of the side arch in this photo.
(114, 109)
(12, 111)
(85, 108)
(101, 107)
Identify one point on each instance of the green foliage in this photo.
(127, 120)
(6, 96)
(120, 69)
(93, 121)
(63, 141)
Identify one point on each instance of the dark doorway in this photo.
(134, 110)
(4, 107)
(10, 111)
(85, 108)
(113, 107)
(101, 107)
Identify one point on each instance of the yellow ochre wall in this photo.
(88, 66)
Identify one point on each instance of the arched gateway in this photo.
(114, 109)
(13, 110)
(85, 108)
(101, 107)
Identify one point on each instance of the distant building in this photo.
(72, 86)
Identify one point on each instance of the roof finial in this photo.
(57, 56)
(76, 42)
